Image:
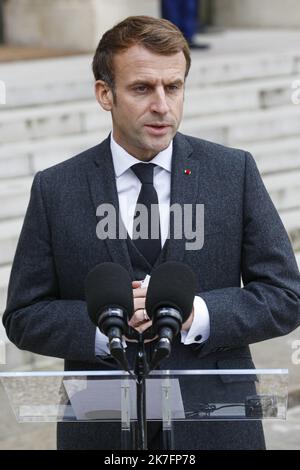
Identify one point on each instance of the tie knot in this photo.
(144, 172)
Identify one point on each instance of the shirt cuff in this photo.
(101, 344)
(200, 328)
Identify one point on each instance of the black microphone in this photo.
(110, 302)
(169, 303)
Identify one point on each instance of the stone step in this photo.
(249, 40)
(14, 197)
(51, 120)
(9, 235)
(70, 78)
(246, 95)
(40, 154)
(47, 81)
(276, 155)
(227, 67)
(291, 221)
(284, 189)
(12, 165)
(240, 128)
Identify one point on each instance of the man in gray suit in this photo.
(140, 68)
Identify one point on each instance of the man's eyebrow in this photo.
(147, 81)
(141, 81)
(175, 81)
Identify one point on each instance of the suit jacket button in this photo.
(198, 338)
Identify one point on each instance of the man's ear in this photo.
(104, 95)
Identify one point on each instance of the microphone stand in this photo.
(141, 370)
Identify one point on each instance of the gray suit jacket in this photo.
(244, 237)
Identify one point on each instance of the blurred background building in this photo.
(243, 92)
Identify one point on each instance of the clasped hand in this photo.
(140, 320)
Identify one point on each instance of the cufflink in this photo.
(198, 338)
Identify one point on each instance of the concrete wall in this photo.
(256, 13)
(68, 24)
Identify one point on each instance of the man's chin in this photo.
(159, 144)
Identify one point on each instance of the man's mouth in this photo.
(157, 129)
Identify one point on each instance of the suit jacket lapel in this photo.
(184, 190)
(103, 190)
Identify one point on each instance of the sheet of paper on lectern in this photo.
(101, 399)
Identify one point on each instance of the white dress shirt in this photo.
(128, 188)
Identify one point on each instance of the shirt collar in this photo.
(122, 160)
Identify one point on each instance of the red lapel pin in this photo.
(187, 172)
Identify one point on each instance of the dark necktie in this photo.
(149, 247)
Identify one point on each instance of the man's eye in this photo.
(173, 87)
(140, 88)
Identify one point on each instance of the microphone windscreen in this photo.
(172, 284)
(108, 285)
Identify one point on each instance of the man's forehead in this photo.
(140, 59)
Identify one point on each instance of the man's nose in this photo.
(159, 103)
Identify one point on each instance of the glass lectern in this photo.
(172, 397)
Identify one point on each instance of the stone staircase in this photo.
(236, 99)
